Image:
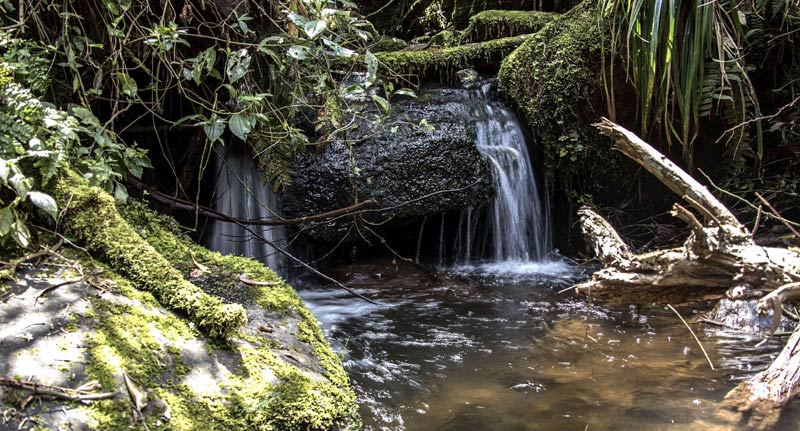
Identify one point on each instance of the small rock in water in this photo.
(469, 78)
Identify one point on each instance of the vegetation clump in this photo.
(554, 78)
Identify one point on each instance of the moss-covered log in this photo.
(442, 64)
(494, 24)
(91, 216)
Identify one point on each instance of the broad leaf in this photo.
(45, 203)
(314, 27)
(298, 51)
(383, 103)
(214, 129)
(6, 220)
(241, 125)
(21, 184)
(21, 234)
(338, 50)
(127, 84)
(238, 65)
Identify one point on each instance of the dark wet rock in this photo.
(425, 147)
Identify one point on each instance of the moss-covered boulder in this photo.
(112, 329)
(555, 79)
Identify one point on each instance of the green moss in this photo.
(92, 217)
(388, 43)
(444, 63)
(555, 79)
(123, 340)
(298, 402)
(446, 38)
(493, 24)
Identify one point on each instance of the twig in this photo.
(56, 391)
(779, 216)
(758, 219)
(693, 335)
(251, 282)
(775, 299)
(55, 286)
(46, 251)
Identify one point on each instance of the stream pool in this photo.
(497, 347)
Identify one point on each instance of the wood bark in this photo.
(719, 255)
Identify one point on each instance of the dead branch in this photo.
(604, 240)
(774, 301)
(778, 215)
(757, 402)
(246, 280)
(669, 174)
(54, 287)
(56, 391)
(720, 254)
(12, 265)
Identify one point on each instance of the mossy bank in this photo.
(267, 368)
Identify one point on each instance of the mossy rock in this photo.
(494, 24)
(555, 79)
(91, 216)
(275, 373)
(442, 64)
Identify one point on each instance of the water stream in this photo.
(499, 351)
(240, 192)
(515, 225)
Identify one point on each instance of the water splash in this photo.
(240, 192)
(517, 217)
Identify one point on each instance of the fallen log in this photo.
(719, 255)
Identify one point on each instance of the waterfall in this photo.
(517, 218)
(240, 192)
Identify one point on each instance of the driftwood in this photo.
(719, 255)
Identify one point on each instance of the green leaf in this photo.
(21, 234)
(372, 67)
(241, 125)
(297, 19)
(4, 171)
(127, 84)
(338, 50)
(214, 129)
(21, 184)
(120, 192)
(383, 103)
(45, 203)
(297, 51)
(6, 220)
(314, 27)
(406, 92)
(238, 65)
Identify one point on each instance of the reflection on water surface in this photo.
(497, 348)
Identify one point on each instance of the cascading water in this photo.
(240, 192)
(517, 217)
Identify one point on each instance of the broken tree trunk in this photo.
(719, 255)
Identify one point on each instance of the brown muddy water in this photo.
(498, 348)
